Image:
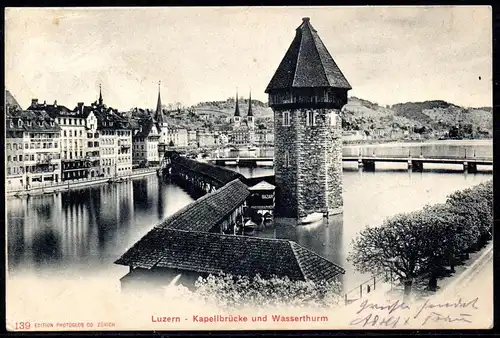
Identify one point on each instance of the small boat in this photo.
(312, 218)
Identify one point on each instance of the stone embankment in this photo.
(51, 187)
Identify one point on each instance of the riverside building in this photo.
(32, 147)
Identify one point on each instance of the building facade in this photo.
(243, 129)
(206, 138)
(32, 147)
(145, 142)
(306, 98)
(73, 144)
(115, 145)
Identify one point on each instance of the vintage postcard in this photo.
(248, 168)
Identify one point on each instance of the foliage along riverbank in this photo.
(427, 244)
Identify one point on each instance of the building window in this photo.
(8, 158)
(20, 157)
(286, 118)
(287, 159)
(64, 133)
(26, 146)
(311, 118)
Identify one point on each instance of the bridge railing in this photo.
(431, 157)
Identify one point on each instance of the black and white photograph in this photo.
(248, 168)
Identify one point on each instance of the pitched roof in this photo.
(145, 125)
(39, 121)
(217, 173)
(263, 185)
(10, 100)
(205, 252)
(307, 64)
(53, 110)
(209, 210)
(111, 115)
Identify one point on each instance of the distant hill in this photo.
(10, 100)
(435, 115)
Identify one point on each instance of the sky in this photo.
(388, 54)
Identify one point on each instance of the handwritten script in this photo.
(398, 314)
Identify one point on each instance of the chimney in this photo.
(44, 102)
(306, 19)
(34, 102)
(80, 107)
(55, 103)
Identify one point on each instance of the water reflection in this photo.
(92, 227)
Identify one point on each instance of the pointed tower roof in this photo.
(250, 113)
(237, 107)
(158, 113)
(307, 64)
(100, 95)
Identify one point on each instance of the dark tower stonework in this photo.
(306, 94)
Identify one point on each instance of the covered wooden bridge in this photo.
(204, 177)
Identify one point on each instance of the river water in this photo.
(82, 232)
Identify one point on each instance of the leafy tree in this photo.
(398, 246)
(236, 291)
(475, 206)
(171, 143)
(419, 244)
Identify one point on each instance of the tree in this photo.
(397, 247)
(419, 244)
(236, 291)
(475, 207)
(171, 143)
(454, 237)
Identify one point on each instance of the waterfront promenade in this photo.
(49, 187)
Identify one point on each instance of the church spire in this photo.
(159, 113)
(250, 112)
(237, 107)
(100, 95)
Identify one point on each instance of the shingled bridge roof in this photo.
(307, 64)
(217, 173)
(209, 210)
(211, 253)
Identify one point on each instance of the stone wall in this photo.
(313, 182)
(285, 139)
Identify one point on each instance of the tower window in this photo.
(286, 118)
(311, 118)
(287, 159)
